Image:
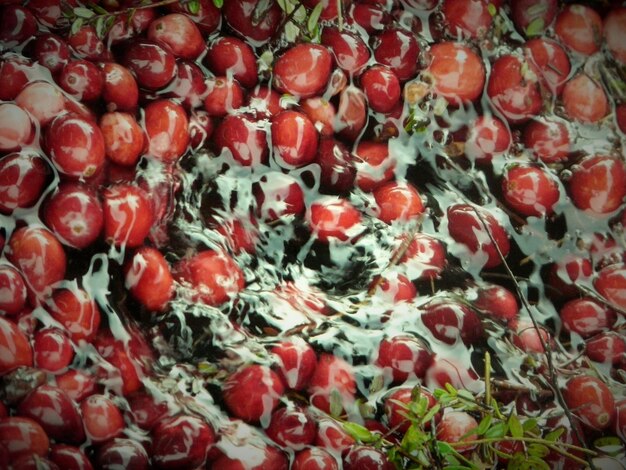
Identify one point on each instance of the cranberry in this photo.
(103, 419)
(398, 202)
(126, 453)
(611, 284)
(532, 17)
(332, 436)
(55, 411)
(349, 50)
(330, 9)
(332, 376)
(264, 101)
(598, 184)
(337, 166)
(120, 89)
(82, 80)
(207, 17)
(23, 437)
(366, 458)
(214, 277)
(38, 254)
(51, 51)
(189, 85)
(123, 138)
(153, 66)
(333, 218)
(75, 145)
(254, 20)
(179, 34)
(586, 317)
(128, 215)
(528, 338)
(125, 373)
(243, 138)
(548, 59)
(278, 195)
(424, 258)
(465, 225)
(229, 55)
(381, 87)
(15, 73)
(590, 400)
(252, 393)
(405, 356)
(223, 96)
(148, 278)
(200, 129)
(296, 362)
(487, 137)
(69, 457)
(294, 138)
(77, 384)
(17, 24)
(497, 302)
(396, 404)
(53, 350)
(548, 139)
(42, 100)
(564, 274)
(146, 410)
(292, 428)
(613, 30)
(470, 19)
(608, 347)
(314, 458)
(455, 427)
(166, 126)
(74, 214)
(394, 288)
(579, 27)
(130, 26)
(351, 114)
(397, 49)
(77, 312)
(371, 18)
(584, 99)
(86, 44)
(376, 165)
(303, 70)
(12, 290)
(23, 176)
(448, 371)
(252, 457)
(16, 350)
(448, 321)
(530, 190)
(514, 89)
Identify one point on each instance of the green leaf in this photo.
(314, 17)
(491, 8)
(515, 427)
(431, 413)
(537, 450)
(101, 27)
(529, 424)
(98, 9)
(336, 407)
(610, 445)
(535, 27)
(554, 435)
(497, 431)
(483, 426)
(466, 395)
(360, 433)
(444, 448)
(76, 25)
(451, 390)
(218, 3)
(533, 463)
(194, 7)
(83, 12)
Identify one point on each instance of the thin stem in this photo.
(488, 378)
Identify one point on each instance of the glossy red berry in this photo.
(497, 302)
(591, 400)
(291, 427)
(51, 51)
(278, 195)
(181, 442)
(243, 138)
(336, 165)
(457, 72)
(153, 65)
(223, 96)
(241, 15)
(598, 184)
(397, 49)
(381, 87)
(23, 177)
(579, 27)
(611, 284)
(148, 278)
(128, 215)
(77, 312)
(530, 190)
(296, 362)
(584, 99)
(120, 90)
(349, 50)
(15, 346)
(398, 202)
(123, 138)
(103, 419)
(69, 457)
(404, 356)
(366, 458)
(548, 139)
(549, 61)
(22, 436)
(332, 376)
(449, 321)
(179, 34)
(455, 427)
(586, 317)
(469, 19)
(303, 70)
(374, 164)
(166, 126)
(124, 452)
(314, 458)
(294, 138)
(333, 218)
(42, 100)
(613, 30)
(53, 350)
(424, 258)
(229, 55)
(16, 128)
(82, 80)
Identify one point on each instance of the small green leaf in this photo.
(554, 435)
(529, 424)
(218, 3)
(336, 407)
(537, 450)
(466, 395)
(194, 7)
(497, 431)
(444, 448)
(431, 413)
(83, 12)
(451, 390)
(314, 17)
(535, 27)
(491, 8)
(536, 464)
(76, 25)
(610, 445)
(483, 426)
(515, 427)
(98, 9)
(101, 28)
(360, 433)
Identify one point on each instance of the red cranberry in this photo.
(532, 17)
(189, 85)
(397, 49)
(12, 290)
(223, 96)
(584, 99)
(69, 457)
(332, 436)
(292, 428)
(76, 384)
(375, 166)
(497, 302)
(166, 125)
(470, 19)
(530, 190)
(123, 138)
(398, 202)
(179, 34)
(128, 215)
(366, 458)
(53, 350)
(15, 73)
(153, 66)
(294, 138)
(146, 410)
(448, 321)
(243, 138)
(82, 80)
(229, 55)
(579, 27)
(405, 356)
(598, 184)
(332, 218)
(17, 24)
(549, 60)
(51, 51)
(86, 44)
(120, 89)
(77, 312)
(42, 100)
(608, 347)
(22, 180)
(613, 29)
(314, 458)
(103, 419)
(394, 288)
(611, 284)
(396, 404)
(126, 453)
(207, 17)
(304, 70)
(455, 427)
(296, 362)
(549, 140)
(23, 437)
(381, 87)
(16, 349)
(351, 114)
(337, 166)
(448, 371)
(241, 15)
(349, 50)
(528, 338)
(487, 137)
(148, 278)
(590, 400)
(424, 258)
(332, 375)
(278, 195)
(370, 17)
(586, 317)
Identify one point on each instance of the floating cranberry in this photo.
(314, 458)
(396, 404)
(598, 184)
(374, 166)
(75, 146)
(252, 456)
(15, 347)
(456, 427)
(77, 312)
(255, 21)
(278, 195)
(470, 19)
(333, 218)
(77, 384)
(294, 138)
(15, 73)
(39, 256)
(611, 284)
(148, 278)
(330, 9)
(465, 225)
(487, 137)
(103, 419)
(229, 55)
(398, 202)
(579, 27)
(69, 457)
(564, 274)
(252, 393)
(86, 43)
(332, 436)
(126, 453)
(613, 29)
(532, 17)
(449, 321)
(82, 80)
(370, 17)
(123, 138)
(120, 89)
(290, 427)
(608, 347)
(51, 51)
(548, 139)
(584, 99)
(207, 16)
(405, 356)
(332, 376)
(394, 288)
(548, 59)
(179, 34)
(153, 66)
(351, 114)
(296, 362)
(336, 165)
(55, 411)
(530, 190)
(528, 338)
(189, 85)
(12, 290)
(586, 317)
(381, 87)
(23, 437)
(303, 70)
(223, 96)
(53, 350)
(244, 138)
(424, 258)
(214, 277)
(497, 302)
(166, 125)
(589, 399)
(349, 50)
(448, 371)
(397, 49)
(42, 100)
(23, 176)
(200, 129)
(128, 215)
(17, 24)
(514, 89)
(366, 458)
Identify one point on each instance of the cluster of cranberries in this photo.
(344, 209)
